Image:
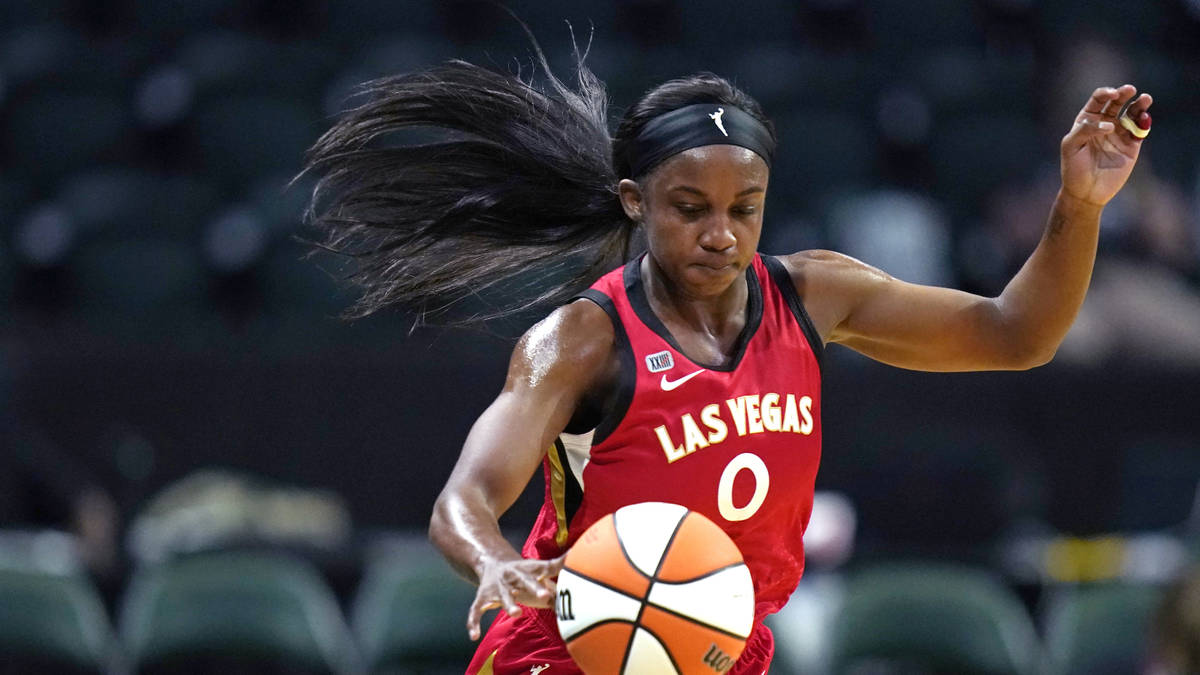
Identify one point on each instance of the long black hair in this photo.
(519, 191)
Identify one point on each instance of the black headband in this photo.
(693, 126)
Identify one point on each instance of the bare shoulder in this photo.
(830, 284)
(819, 266)
(574, 343)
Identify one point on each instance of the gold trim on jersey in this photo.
(486, 668)
(558, 493)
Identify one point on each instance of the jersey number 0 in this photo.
(762, 482)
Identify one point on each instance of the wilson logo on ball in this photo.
(564, 606)
(717, 659)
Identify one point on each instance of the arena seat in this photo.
(768, 20)
(836, 153)
(54, 622)
(1158, 479)
(14, 199)
(225, 62)
(1100, 629)
(117, 202)
(267, 610)
(975, 154)
(961, 81)
(51, 132)
(940, 618)
(351, 22)
(7, 278)
(242, 137)
(52, 54)
(294, 283)
(897, 26)
(173, 19)
(410, 612)
(139, 276)
(16, 12)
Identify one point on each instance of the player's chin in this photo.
(713, 278)
(710, 271)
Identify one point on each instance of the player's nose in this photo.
(718, 235)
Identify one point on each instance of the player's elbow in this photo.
(440, 522)
(1030, 355)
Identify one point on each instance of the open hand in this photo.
(507, 584)
(1098, 153)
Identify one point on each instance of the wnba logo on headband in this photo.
(693, 126)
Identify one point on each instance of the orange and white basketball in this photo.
(655, 588)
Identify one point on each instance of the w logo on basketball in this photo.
(717, 659)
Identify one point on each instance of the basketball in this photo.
(654, 588)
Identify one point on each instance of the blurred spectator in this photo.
(902, 233)
(213, 509)
(1176, 635)
(1140, 304)
(42, 487)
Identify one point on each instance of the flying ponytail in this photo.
(515, 206)
(516, 199)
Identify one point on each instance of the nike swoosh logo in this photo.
(670, 385)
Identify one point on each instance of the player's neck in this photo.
(719, 318)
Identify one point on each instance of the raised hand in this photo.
(1098, 153)
(508, 584)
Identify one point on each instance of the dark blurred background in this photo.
(174, 379)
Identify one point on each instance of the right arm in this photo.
(558, 362)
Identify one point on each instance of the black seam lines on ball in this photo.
(646, 600)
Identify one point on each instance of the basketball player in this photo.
(691, 373)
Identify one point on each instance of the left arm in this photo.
(928, 328)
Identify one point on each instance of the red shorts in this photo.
(524, 644)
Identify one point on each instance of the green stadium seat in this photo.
(55, 622)
(51, 133)
(280, 203)
(1101, 629)
(235, 607)
(961, 81)
(15, 197)
(170, 19)
(1159, 475)
(897, 27)
(16, 12)
(938, 618)
(51, 54)
(124, 202)
(226, 62)
(975, 154)
(832, 151)
(410, 612)
(242, 137)
(139, 276)
(351, 22)
(296, 284)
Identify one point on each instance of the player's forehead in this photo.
(724, 168)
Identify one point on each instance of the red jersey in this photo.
(738, 443)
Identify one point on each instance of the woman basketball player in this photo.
(691, 374)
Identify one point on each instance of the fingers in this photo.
(1103, 98)
(1084, 131)
(1101, 115)
(532, 586)
(490, 597)
(537, 591)
(475, 614)
(527, 582)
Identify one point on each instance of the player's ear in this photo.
(631, 199)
